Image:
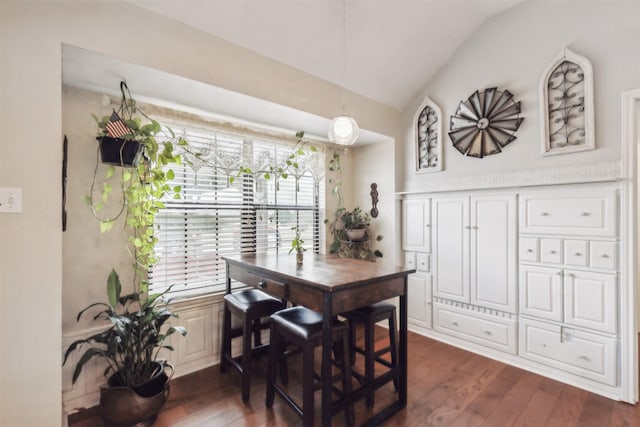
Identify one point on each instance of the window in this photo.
(215, 218)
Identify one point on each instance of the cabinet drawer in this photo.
(603, 255)
(572, 212)
(529, 249)
(588, 355)
(551, 251)
(272, 287)
(410, 259)
(422, 262)
(575, 252)
(491, 331)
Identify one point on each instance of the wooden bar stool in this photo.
(251, 305)
(302, 328)
(369, 316)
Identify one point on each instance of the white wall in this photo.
(374, 163)
(31, 38)
(87, 254)
(511, 51)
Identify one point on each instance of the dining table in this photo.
(332, 285)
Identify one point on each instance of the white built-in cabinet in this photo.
(416, 242)
(475, 250)
(532, 273)
(569, 296)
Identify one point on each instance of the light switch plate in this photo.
(10, 200)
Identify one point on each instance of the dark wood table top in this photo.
(327, 273)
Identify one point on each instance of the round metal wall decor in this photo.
(485, 123)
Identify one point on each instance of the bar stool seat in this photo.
(369, 316)
(302, 328)
(251, 305)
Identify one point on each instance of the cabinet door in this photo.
(451, 248)
(541, 292)
(419, 300)
(416, 225)
(590, 300)
(493, 252)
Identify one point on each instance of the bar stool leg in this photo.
(247, 329)
(393, 343)
(275, 353)
(226, 337)
(307, 385)
(369, 359)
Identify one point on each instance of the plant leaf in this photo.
(113, 288)
(105, 226)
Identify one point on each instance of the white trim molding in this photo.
(629, 227)
(566, 105)
(427, 130)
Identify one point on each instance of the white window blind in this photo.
(215, 218)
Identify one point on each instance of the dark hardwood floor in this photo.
(447, 387)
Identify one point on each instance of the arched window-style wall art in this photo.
(485, 123)
(566, 90)
(427, 126)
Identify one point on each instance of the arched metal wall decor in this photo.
(485, 123)
(566, 92)
(427, 126)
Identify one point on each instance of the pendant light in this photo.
(343, 129)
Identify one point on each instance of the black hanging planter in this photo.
(119, 152)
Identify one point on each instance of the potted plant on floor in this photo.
(138, 381)
(136, 322)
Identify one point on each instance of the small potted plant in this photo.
(137, 379)
(296, 245)
(356, 223)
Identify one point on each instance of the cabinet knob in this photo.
(544, 213)
(529, 250)
(552, 252)
(262, 284)
(454, 323)
(475, 227)
(585, 214)
(468, 227)
(578, 254)
(427, 225)
(488, 332)
(584, 358)
(605, 256)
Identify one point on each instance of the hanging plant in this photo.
(144, 184)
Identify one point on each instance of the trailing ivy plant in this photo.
(144, 186)
(286, 166)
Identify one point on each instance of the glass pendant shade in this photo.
(343, 130)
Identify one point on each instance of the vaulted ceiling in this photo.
(385, 50)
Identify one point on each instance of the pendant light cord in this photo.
(344, 56)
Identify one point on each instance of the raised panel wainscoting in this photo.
(533, 277)
(201, 348)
